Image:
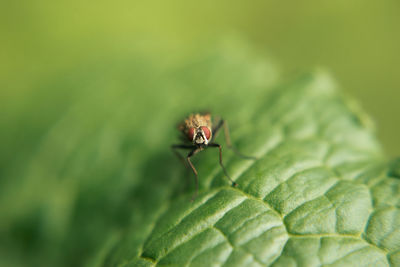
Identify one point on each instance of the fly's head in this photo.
(199, 136)
(197, 129)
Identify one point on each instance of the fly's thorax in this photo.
(197, 120)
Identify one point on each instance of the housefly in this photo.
(199, 133)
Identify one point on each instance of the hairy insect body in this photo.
(199, 133)
(197, 129)
(196, 120)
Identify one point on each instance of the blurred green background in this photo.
(52, 52)
(358, 41)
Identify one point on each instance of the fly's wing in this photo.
(183, 129)
(216, 124)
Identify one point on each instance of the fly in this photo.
(198, 134)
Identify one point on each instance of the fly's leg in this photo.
(183, 160)
(192, 153)
(228, 138)
(175, 150)
(234, 184)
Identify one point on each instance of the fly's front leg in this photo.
(183, 160)
(191, 154)
(234, 184)
(182, 146)
(228, 138)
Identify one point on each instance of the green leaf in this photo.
(99, 184)
(319, 193)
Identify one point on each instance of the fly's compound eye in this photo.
(191, 134)
(206, 132)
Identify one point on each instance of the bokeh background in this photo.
(49, 50)
(358, 41)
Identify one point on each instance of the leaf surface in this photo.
(319, 192)
(99, 178)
